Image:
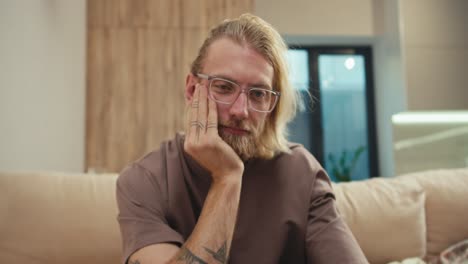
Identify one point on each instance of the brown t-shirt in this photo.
(287, 211)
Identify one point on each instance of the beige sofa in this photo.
(70, 218)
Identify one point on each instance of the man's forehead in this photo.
(225, 52)
(223, 43)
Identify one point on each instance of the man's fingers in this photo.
(193, 119)
(198, 113)
(212, 123)
(202, 108)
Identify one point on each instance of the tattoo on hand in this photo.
(189, 257)
(220, 255)
(134, 262)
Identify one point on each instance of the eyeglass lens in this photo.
(227, 92)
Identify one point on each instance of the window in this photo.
(337, 121)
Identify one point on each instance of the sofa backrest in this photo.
(414, 215)
(446, 206)
(58, 218)
(386, 216)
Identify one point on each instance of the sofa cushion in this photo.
(58, 218)
(446, 206)
(386, 216)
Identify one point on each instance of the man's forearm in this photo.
(211, 238)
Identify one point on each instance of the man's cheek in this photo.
(222, 111)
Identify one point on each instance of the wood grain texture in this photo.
(138, 55)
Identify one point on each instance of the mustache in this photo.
(236, 124)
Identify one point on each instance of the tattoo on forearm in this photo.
(220, 255)
(189, 257)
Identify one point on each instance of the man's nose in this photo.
(240, 107)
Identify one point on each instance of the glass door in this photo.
(344, 116)
(338, 125)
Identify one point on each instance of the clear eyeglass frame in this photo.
(210, 79)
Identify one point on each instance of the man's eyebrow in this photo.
(261, 85)
(256, 85)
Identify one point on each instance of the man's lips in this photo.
(234, 130)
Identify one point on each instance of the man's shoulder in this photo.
(298, 154)
(295, 170)
(298, 162)
(155, 161)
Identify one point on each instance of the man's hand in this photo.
(203, 142)
(211, 238)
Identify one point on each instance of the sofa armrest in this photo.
(58, 218)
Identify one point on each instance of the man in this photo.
(232, 189)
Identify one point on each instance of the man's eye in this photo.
(223, 87)
(258, 94)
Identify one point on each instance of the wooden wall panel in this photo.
(138, 55)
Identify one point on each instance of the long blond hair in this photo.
(264, 39)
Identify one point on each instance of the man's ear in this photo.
(190, 83)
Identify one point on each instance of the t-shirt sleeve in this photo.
(328, 238)
(142, 211)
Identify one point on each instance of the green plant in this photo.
(343, 168)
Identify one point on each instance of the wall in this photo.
(391, 89)
(319, 17)
(42, 85)
(139, 54)
(436, 51)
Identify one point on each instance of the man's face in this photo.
(239, 126)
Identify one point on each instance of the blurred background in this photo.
(89, 86)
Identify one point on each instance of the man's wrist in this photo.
(231, 179)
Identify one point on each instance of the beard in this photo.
(247, 147)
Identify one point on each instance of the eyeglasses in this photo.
(226, 92)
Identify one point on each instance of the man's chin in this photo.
(244, 146)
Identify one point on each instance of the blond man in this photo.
(232, 189)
